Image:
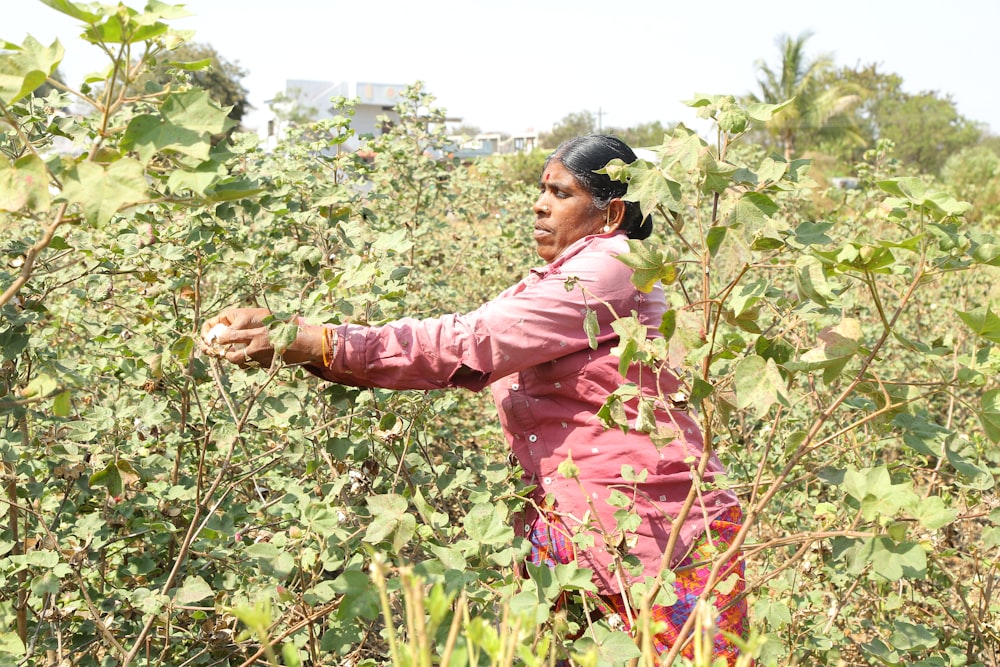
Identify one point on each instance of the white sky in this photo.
(524, 64)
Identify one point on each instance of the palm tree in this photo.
(815, 105)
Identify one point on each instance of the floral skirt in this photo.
(550, 545)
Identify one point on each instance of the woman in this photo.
(529, 345)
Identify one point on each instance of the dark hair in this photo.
(583, 156)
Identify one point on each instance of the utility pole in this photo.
(600, 118)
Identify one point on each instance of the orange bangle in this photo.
(329, 346)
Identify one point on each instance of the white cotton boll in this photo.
(214, 348)
(214, 332)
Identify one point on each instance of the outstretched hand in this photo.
(240, 336)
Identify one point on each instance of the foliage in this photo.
(522, 169)
(643, 134)
(926, 128)
(572, 125)
(855, 412)
(201, 66)
(816, 111)
(163, 508)
(973, 174)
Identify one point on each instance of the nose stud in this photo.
(545, 209)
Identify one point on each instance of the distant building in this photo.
(490, 143)
(306, 100)
(310, 100)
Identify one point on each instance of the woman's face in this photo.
(564, 212)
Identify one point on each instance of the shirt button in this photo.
(532, 438)
(515, 387)
(547, 480)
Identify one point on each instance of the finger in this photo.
(234, 336)
(224, 318)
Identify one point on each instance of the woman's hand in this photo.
(240, 336)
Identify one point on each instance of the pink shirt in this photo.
(529, 344)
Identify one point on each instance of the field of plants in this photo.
(840, 346)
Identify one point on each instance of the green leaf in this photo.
(983, 322)
(387, 512)
(989, 415)
(262, 551)
(103, 191)
(973, 475)
(192, 66)
(985, 250)
(878, 495)
(714, 239)
(650, 265)
(718, 176)
(915, 191)
(150, 134)
(592, 327)
(452, 559)
(185, 124)
(668, 324)
(486, 523)
(700, 390)
(282, 335)
(771, 170)
(232, 190)
(837, 345)
(631, 335)
(933, 513)
(811, 281)
(108, 478)
(753, 209)
(42, 384)
(194, 589)
(612, 647)
(920, 434)
(126, 26)
(775, 612)
(758, 384)
(894, 561)
(360, 597)
(199, 179)
(651, 187)
(763, 112)
(61, 404)
(812, 233)
(73, 9)
(645, 421)
(24, 184)
(910, 637)
(26, 67)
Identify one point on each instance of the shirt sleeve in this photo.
(538, 320)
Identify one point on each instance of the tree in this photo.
(643, 134)
(465, 130)
(216, 75)
(817, 109)
(572, 125)
(925, 128)
(973, 174)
